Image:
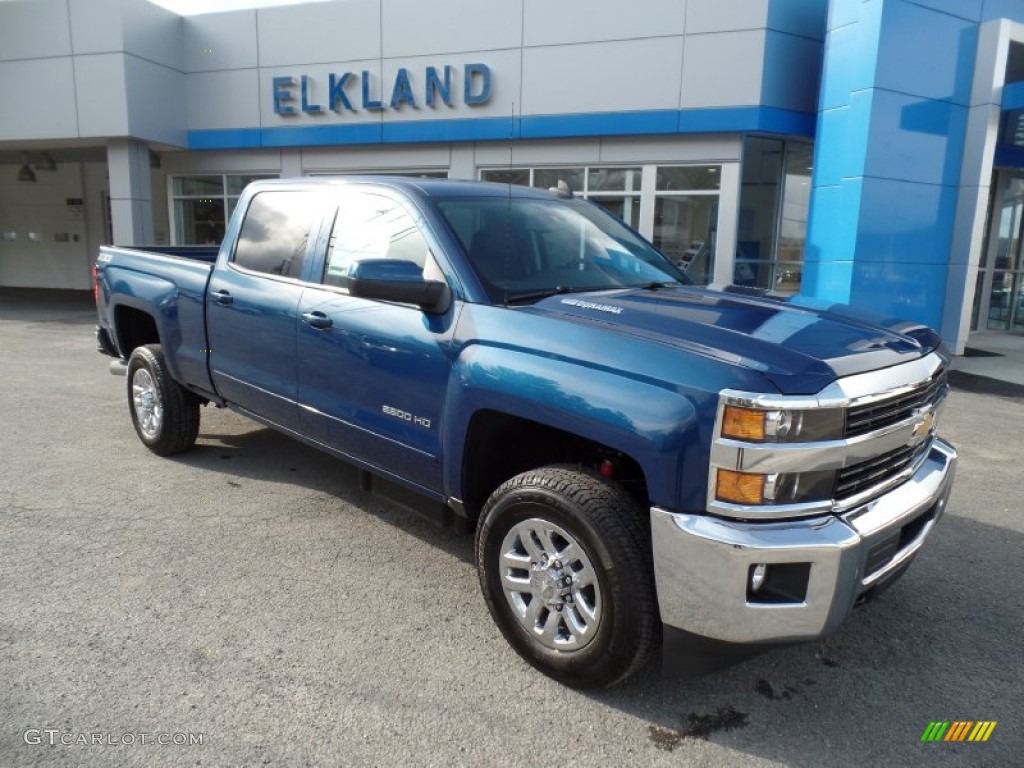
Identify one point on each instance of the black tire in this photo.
(177, 427)
(610, 528)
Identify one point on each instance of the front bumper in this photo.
(703, 564)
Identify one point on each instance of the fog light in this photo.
(757, 576)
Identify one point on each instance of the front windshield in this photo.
(528, 248)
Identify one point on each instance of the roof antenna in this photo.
(508, 204)
(562, 189)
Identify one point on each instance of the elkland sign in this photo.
(352, 92)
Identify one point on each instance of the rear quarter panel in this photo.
(171, 291)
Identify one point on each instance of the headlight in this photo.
(782, 425)
(749, 488)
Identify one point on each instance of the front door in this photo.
(1001, 297)
(373, 375)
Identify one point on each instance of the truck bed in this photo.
(207, 253)
(172, 279)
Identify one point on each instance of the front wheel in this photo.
(165, 416)
(564, 563)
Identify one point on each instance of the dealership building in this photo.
(862, 151)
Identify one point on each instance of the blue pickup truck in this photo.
(634, 454)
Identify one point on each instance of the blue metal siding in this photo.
(890, 143)
(651, 122)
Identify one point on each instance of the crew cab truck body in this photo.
(632, 451)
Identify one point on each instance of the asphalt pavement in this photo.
(249, 596)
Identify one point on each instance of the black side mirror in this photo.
(400, 281)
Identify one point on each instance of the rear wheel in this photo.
(165, 415)
(565, 567)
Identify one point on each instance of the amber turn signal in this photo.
(740, 487)
(743, 423)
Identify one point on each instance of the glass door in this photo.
(1003, 281)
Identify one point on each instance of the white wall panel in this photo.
(561, 152)
(726, 15)
(33, 29)
(228, 99)
(96, 26)
(602, 77)
(222, 161)
(580, 21)
(156, 102)
(153, 33)
(319, 32)
(102, 95)
(355, 159)
(38, 98)
(220, 41)
(687, 149)
(450, 26)
(722, 70)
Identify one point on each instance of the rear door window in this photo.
(275, 233)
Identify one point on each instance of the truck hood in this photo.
(801, 345)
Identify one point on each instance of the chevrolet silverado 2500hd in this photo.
(632, 451)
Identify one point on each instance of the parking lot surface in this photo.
(247, 594)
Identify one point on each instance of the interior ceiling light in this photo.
(25, 173)
(46, 162)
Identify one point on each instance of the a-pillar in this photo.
(131, 204)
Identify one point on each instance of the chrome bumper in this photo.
(702, 564)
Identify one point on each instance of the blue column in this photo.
(889, 146)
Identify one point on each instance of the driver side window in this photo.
(370, 226)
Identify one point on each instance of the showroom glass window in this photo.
(202, 205)
(686, 217)
(681, 204)
(774, 199)
(617, 190)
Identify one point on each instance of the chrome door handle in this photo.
(317, 320)
(222, 297)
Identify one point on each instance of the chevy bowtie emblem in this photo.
(923, 426)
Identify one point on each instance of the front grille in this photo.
(867, 474)
(861, 419)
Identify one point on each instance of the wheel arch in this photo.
(500, 445)
(555, 411)
(133, 327)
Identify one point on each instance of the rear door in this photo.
(372, 374)
(252, 304)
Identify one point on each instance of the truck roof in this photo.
(414, 185)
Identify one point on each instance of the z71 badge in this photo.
(419, 421)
